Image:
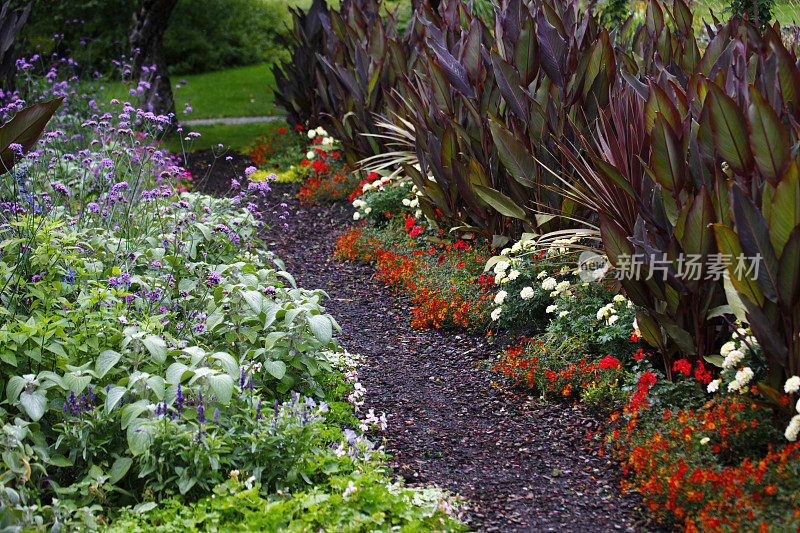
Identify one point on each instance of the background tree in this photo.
(149, 61)
(11, 22)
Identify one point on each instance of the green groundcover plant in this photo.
(151, 349)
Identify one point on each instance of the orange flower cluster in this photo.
(674, 469)
(263, 148)
(436, 304)
(326, 183)
(522, 365)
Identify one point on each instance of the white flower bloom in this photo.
(619, 298)
(356, 215)
(500, 297)
(366, 187)
(704, 441)
(635, 324)
(513, 274)
(312, 134)
(496, 314)
(310, 154)
(542, 274)
(734, 386)
(501, 266)
(792, 429)
(406, 202)
(368, 210)
(549, 284)
(516, 248)
(792, 385)
(498, 278)
(562, 314)
(551, 308)
(359, 203)
(713, 386)
(727, 348)
(612, 319)
(561, 287)
(744, 376)
(732, 359)
(505, 251)
(526, 293)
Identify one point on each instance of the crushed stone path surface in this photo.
(520, 465)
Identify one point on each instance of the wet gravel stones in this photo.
(521, 465)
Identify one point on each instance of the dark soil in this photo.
(522, 465)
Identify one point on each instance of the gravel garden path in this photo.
(520, 464)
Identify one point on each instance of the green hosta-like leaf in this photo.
(34, 403)
(254, 299)
(106, 362)
(140, 436)
(277, 369)
(157, 348)
(321, 328)
(114, 395)
(131, 411)
(14, 387)
(119, 469)
(227, 362)
(222, 385)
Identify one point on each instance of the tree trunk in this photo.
(149, 62)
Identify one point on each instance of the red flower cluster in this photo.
(610, 363)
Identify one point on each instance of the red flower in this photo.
(609, 362)
(416, 231)
(281, 130)
(639, 354)
(305, 163)
(410, 223)
(373, 176)
(298, 127)
(683, 366)
(460, 264)
(646, 380)
(634, 337)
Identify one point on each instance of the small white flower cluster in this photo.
(413, 203)
(733, 353)
(327, 140)
(360, 205)
(342, 361)
(792, 386)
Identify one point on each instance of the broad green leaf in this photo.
(227, 362)
(254, 299)
(14, 387)
(157, 348)
(34, 403)
(106, 362)
(114, 395)
(139, 436)
(131, 411)
(321, 328)
(222, 385)
(175, 373)
(119, 469)
(276, 368)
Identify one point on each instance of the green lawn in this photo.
(233, 136)
(236, 92)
